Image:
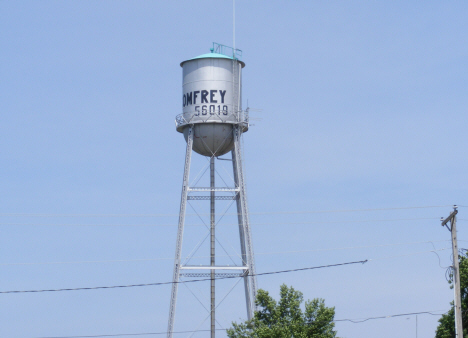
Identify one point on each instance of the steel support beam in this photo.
(208, 275)
(180, 233)
(212, 267)
(208, 198)
(250, 281)
(213, 189)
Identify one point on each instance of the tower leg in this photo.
(180, 232)
(250, 281)
(212, 245)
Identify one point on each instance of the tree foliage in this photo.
(446, 328)
(285, 319)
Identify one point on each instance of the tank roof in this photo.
(213, 55)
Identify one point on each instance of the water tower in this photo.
(212, 123)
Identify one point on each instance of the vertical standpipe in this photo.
(212, 246)
(213, 122)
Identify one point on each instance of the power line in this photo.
(181, 282)
(257, 254)
(129, 334)
(222, 224)
(354, 321)
(252, 213)
(409, 254)
(353, 210)
(357, 321)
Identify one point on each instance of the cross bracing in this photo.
(200, 197)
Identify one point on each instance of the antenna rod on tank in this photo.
(234, 28)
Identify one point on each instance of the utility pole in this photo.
(452, 218)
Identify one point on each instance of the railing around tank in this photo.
(236, 54)
(241, 117)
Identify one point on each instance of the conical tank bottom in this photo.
(211, 138)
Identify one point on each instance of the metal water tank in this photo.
(211, 101)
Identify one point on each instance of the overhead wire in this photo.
(284, 271)
(251, 213)
(354, 321)
(127, 334)
(230, 224)
(187, 281)
(406, 255)
(221, 256)
(362, 320)
(440, 265)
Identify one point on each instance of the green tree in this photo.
(285, 319)
(446, 328)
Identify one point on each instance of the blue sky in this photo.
(363, 106)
